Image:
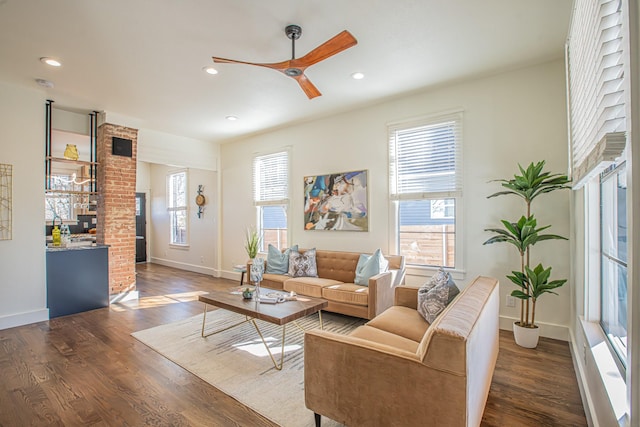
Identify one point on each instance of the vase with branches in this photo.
(523, 234)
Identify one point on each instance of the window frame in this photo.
(458, 270)
(264, 200)
(620, 354)
(173, 210)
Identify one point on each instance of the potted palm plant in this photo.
(531, 282)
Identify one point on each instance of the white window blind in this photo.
(425, 158)
(271, 178)
(595, 68)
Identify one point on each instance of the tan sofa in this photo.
(336, 273)
(397, 370)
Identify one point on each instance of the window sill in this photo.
(612, 379)
(184, 247)
(428, 271)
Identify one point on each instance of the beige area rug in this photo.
(237, 363)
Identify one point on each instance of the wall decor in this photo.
(200, 200)
(336, 201)
(6, 200)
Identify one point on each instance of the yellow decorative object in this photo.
(71, 152)
(55, 235)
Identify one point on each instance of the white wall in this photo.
(201, 253)
(508, 118)
(22, 259)
(164, 148)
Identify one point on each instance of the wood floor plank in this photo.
(86, 369)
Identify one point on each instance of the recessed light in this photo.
(357, 76)
(45, 83)
(51, 61)
(209, 69)
(231, 118)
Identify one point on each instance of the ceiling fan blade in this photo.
(280, 66)
(307, 86)
(335, 45)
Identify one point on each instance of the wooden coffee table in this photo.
(278, 314)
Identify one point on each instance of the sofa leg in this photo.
(318, 419)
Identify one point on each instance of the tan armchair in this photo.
(397, 370)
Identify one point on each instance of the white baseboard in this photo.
(547, 330)
(19, 319)
(185, 266)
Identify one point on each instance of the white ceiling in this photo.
(144, 58)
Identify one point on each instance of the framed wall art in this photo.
(6, 189)
(337, 202)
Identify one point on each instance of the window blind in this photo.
(425, 158)
(595, 74)
(271, 178)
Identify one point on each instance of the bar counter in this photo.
(77, 279)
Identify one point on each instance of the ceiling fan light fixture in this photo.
(295, 67)
(293, 72)
(50, 61)
(209, 70)
(357, 76)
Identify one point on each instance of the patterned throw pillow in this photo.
(435, 295)
(303, 265)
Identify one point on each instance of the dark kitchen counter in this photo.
(77, 279)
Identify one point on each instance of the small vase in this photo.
(247, 294)
(526, 337)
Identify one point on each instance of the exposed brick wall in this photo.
(117, 206)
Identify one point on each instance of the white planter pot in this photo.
(526, 337)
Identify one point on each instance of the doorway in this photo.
(141, 228)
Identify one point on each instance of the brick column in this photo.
(116, 210)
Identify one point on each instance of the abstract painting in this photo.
(336, 201)
(6, 184)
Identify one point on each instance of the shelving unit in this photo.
(81, 186)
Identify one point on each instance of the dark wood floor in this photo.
(86, 369)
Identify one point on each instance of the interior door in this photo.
(141, 228)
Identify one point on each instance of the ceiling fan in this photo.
(294, 68)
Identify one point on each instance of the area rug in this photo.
(236, 362)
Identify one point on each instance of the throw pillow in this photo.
(435, 295)
(370, 265)
(278, 262)
(303, 265)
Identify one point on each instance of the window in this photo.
(177, 207)
(58, 204)
(613, 238)
(426, 187)
(271, 197)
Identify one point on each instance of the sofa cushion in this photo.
(340, 266)
(309, 286)
(273, 281)
(383, 337)
(303, 265)
(348, 293)
(403, 321)
(434, 297)
(370, 265)
(278, 261)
